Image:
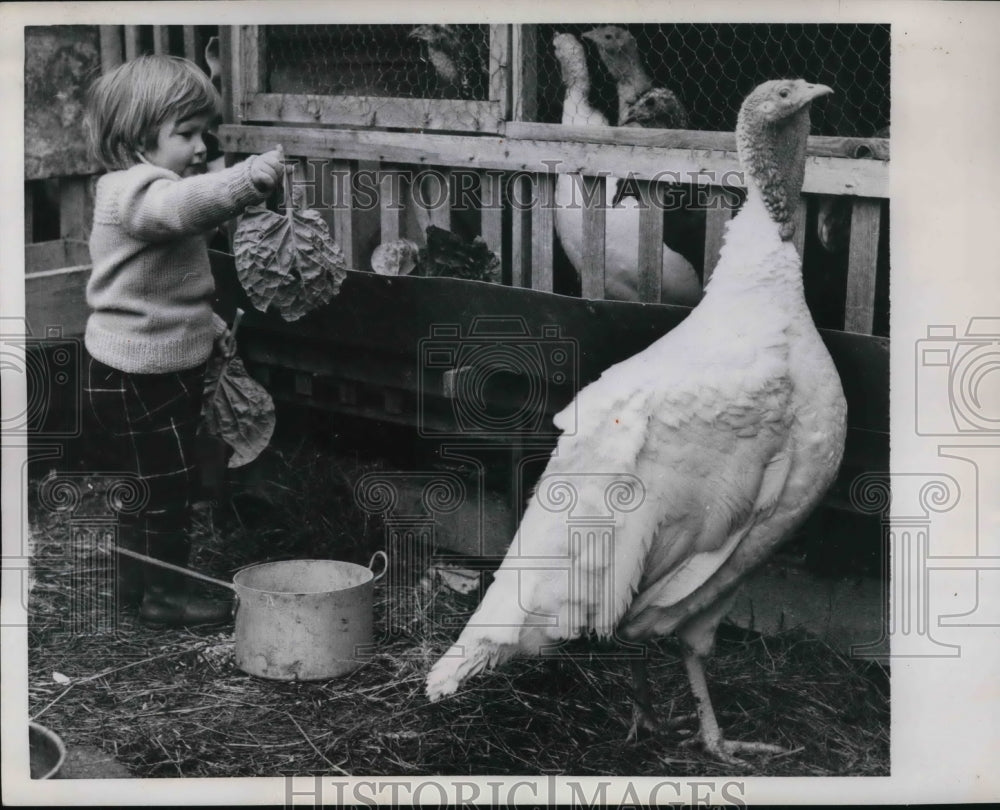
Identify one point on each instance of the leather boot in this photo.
(129, 574)
(168, 600)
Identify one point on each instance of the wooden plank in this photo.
(650, 245)
(131, 42)
(392, 194)
(57, 298)
(524, 78)
(111, 47)
(500, 78)
(716, 218)
(543, 232)
(824, 175)
(521, 221)
(253, 61)
(859, 314)
(799, 219)
(190, 43)
(430, 191)
(76, 207)
(232, 88)
(57, 254)
(491, 211)
(161, 39)
(29, 212)
(592, 277)
(376, 111)
(336, 179)
(367, 215)
(698, 139)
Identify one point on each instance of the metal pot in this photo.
(46, 752)
(304, 620)
(298, 620)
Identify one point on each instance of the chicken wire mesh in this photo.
(402, 61)
(709, 67)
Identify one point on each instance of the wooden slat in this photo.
(131, 42)
(499, 79)
(111, 47)
(715, 227)
(650, 245)
(336, 178)
(491, 210)
(392, 194)
(190, 43)
(698, 139)
(859, 313)
(76, 206)
(367, 214)
(524, 78)
(431, 193)
(824, 175)
(57, 298)
(29, 212)
(592, 278)
(229, 59)
(253, 60)
(56, 254)
(376, 111)
(543, 232)
(161, 39)
(521, 222)
(799, 219)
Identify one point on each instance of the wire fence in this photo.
(709, 68)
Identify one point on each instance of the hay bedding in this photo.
(169, 703)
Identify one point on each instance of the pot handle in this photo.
(385, 564)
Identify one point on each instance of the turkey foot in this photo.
(643, 716)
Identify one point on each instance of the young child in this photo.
(151, 328)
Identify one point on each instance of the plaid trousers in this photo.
(147, 424)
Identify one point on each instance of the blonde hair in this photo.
(127, 106)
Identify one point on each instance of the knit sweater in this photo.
(150, 291)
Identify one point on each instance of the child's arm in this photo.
(153, 206)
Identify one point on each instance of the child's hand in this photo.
(266, 170)
(225, 345)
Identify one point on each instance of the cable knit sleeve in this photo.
(155, 205)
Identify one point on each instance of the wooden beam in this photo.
(376, 111)
(715, 227)
(593, 273)
(874, 149)
(520, 251)
(650, 245)
(824, 175)
(190, 43)
(491, 210)
(112, 52)
(29, 212)
(76, 206)
(859, 315)
(336, 184)
(543, 232)
(391, 199)
(161, 39)
(500, 71)
(524, 79)
(131, 42)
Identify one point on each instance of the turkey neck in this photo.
(774, 156)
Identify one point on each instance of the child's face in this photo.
(180, 146)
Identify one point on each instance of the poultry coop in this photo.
(399, 128)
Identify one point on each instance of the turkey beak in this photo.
(814, 91)
(628, 119)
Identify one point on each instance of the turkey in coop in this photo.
(727, 431)
(459, 57)
(679, 283)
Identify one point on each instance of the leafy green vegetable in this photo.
(237, 409)
(287, 261)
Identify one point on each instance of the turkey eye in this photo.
(783, 93)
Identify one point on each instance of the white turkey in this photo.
(679, 282)
(619, 52)
(730, 427)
